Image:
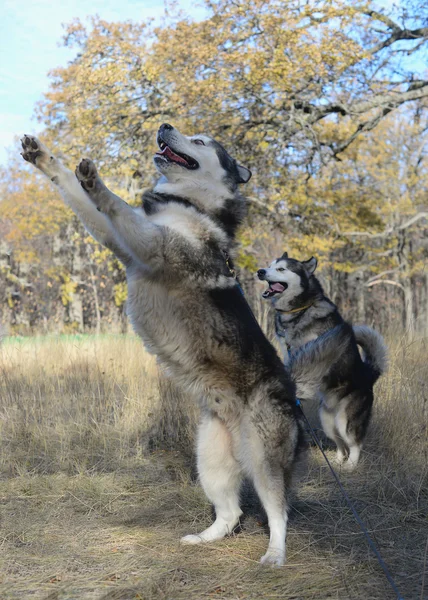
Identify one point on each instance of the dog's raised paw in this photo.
(32, 148)
(86, 173)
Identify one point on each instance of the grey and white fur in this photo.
(321, 353)
(185, 303)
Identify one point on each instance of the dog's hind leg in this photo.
(220, 476)
(270, 486)
(352, 421)
(342, 425)
(268, 448)
(328, 423)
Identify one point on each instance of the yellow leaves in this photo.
(67, 289)
(251, 74)
(120, 293)
(344, 266)
(31, 207)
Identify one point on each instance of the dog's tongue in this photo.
(274, 288)
(172, 156)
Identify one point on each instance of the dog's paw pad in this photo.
(191, 539)
(32, 148)
(86, 173)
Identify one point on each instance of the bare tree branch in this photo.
(379, 276)
(397, 34)
(387, 281)
(389, 230)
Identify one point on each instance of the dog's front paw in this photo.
(31, 147)
(86, 173)
(38, 155)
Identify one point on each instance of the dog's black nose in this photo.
(261, 273)
(167, 126)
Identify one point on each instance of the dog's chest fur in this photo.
(296, 329)
(172, 308)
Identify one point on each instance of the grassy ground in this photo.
(93, 505)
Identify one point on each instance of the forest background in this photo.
(326, 103)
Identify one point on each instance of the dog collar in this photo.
(288, 312)
(229, 264)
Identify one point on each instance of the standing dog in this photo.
(324, 357)
(185, 303)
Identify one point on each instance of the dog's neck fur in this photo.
(321, 315)
(314, 304)
(213, 194)
(228, 215)
(311, 293)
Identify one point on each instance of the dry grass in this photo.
(96, 487)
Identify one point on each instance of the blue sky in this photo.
(30, 32)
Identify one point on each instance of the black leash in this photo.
(351, 506)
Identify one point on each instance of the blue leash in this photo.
(351, 506)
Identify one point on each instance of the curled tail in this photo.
(310, 364)
(375, 350)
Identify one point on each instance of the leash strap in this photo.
(351, 506)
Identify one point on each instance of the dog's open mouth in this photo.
(274, 288)
(169, 155)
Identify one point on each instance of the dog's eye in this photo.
(281, 269)
(201, 142)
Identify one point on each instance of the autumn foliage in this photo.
(324, 101)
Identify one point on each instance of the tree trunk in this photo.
(95, 293)
(409, 319)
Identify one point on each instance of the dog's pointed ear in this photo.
(244, 174)
(310, 265)
(284, 256)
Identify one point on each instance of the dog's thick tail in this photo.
(375, 350)
(309, 364)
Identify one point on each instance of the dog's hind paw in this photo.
(273, 558)
(349, 466)
(86, 173)
(191, 539)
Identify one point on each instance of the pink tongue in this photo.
(172, 156)
(277, 287)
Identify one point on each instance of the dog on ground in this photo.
(185, 303)
(321, 351)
